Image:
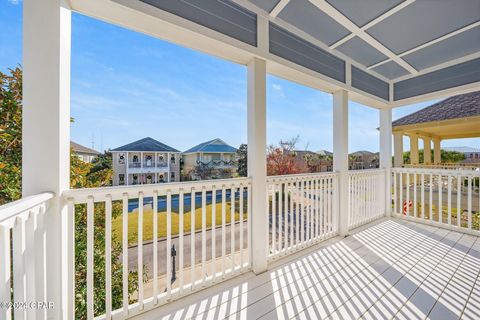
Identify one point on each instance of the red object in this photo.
(410, 204)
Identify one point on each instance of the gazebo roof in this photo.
(453, 118)
(461, 106)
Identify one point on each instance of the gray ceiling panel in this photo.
(390, 70)
(450, 77)
(368, 83)
(223, 16)
(363, 11)
(455, 47)
(308, 18)
(266, 5)
(423, 21)
(362, 52)
(293, 48)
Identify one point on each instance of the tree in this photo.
(281, 159)
(315, 162)
(203, 171)
(82, 175)
(445, 156)
(10, 135)
(242, 156)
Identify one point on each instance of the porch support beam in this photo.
(46, 137)
(437, 158)
(340, 155)
(427, 150)
(414, 149)
(397, 149)
(386, 154)
(257, 160)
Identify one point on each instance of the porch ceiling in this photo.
(448, 129)
(364, 46)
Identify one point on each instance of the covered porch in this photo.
(272, 247)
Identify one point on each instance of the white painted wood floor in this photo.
(391, 269)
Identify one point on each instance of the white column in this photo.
(340, 155)
(386, 154)
(398, 149)
(46, 136)
(257, 162)
(414, 149)
(427, 150)
(437, 158)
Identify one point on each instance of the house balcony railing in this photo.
(217, 163)
(302, 210)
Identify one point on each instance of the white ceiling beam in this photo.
(428, 44)
(370, 24)
(278, 8)
(347, 23)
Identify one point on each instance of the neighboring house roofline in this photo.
(146, 145)
(78, 148)
(212, 146)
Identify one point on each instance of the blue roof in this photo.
(146, 144)
(215, 145)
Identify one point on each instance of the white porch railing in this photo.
(446, 198)
(302, 210)
(23, 251)
(205, 254)
(366, 196)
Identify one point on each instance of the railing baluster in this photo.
(401, 193)
(430, 201)
(169, 245)
(297, 212)
(249, 223)
(241, 190)
(90, 248)
(292, 188)
(440, 202)
(204, 234)
(224, 231)
(317, 213)
(273, 218)
(5, 276)
(395, 193)
(40, 257)
(192, 238)
(285, 216)
(214, 230)
(415, 195)
(140, 250)
(108, 257)
(408, 195)
(469, 203)
(155, 246)
(280, 243)
(232, 227)
(459, 200)
(181, 240)
(423, 195)
(125, 254)
(30, 264)
(449, 199)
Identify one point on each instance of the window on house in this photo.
(172, 159)
(160, 178)
(135, 158)
(121, 158)
(216, 156)
(121, 179)
(172, 175)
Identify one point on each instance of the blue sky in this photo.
(126, 86)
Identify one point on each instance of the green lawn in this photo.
(162, 222)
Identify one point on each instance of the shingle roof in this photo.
(78, 148)
(215, 145)
(461, 106)
(146, 144)
(462, 149)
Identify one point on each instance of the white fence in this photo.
(447, 198)
(366, 196)
(23, 250)
(302, 210)
(207, 221)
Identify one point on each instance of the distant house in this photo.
(215, 154)
(145, 161)
(363, 160)
(471, 154)
(83, 153)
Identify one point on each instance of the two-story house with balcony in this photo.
(216, 154)
(145, 161)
